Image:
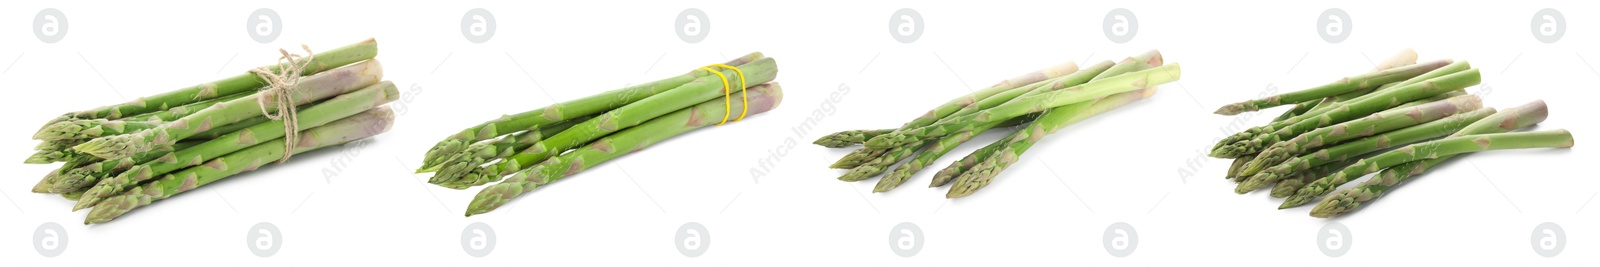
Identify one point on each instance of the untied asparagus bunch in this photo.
(1039, 103)
(1396, 121)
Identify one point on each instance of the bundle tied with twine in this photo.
(280, 85)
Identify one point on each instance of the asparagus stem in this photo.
(326, 112)
(1349, 200)
(322, 86)
(1429, 150)
(1342, 86)
(762, 98)
(345, 130)
(848, 138)
(179, 112)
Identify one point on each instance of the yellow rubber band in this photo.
(727, 92)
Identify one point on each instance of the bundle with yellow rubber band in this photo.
(727, 93)
(524, 151)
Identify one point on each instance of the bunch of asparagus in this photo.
(540, 146)
(1397, 121)
(124, 156)
(1040, 102)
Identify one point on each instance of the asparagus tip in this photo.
(111, 208)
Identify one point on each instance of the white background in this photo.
(1050, 209)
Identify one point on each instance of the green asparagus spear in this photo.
(345, 130)
(245, 82)
(1349, 200)
(179, 112)
(1286, 187)
(84, 176)
(848, 138)
(762, 98)
(364, 100)
(564, 111)
(1429, 150)
(1346, 85)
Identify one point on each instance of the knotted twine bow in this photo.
(280, 86)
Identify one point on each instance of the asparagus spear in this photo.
(701, 89)
(1345, 111)
(1086, 92)
(81, 177)
(762, 98)
(245, 82)
(184, 110)
(949, 173)
(858, 157)
(1428, 150)
(364, 100)
(1346, 85)
(848, 138)
(55, 151)
(984, 173)
(1328, 105)
(345, 130)
(1353, 149)
(90, 129)
(1286, 187)
(490, 152)
(314, 88)
(1349, 200)
(564, 111)
(1376, 123)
